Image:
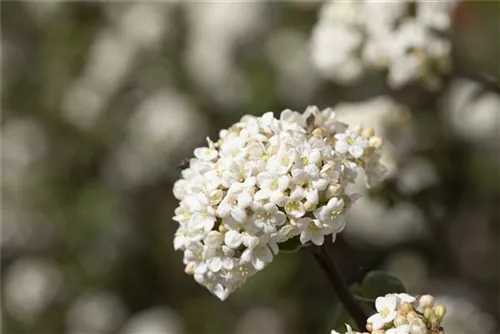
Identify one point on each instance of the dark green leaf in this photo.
(291, 245)
(379, 283)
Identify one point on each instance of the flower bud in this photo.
(375, 142)
(425, 301)
(428, 312)
(368, 132)
(402, 313)
(216, 196)
(333, 190)
(412, 315)
(190, 268)
(318, 132)
(309, 206)
(379, 331)
(406, 307)
(440, 311)
(222, 228)
(417, 326)
(369, 327)
(400, 320)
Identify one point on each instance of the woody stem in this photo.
(326, 263)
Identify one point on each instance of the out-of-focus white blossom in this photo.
(24, 144)
(472, 114)
(42, 10)
(261, 320)
(216, 29)
(410, 267)
(96, 312)
(139, 27)
(154, 321)
(336, 42)
(143, 25)
(163, 124)
(417, 174)
(402, 37)
(390, 120)
(29, 286)
(371, 220)
(264, 181)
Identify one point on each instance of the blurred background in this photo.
(101, 101)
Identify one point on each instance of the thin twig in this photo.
(345, 296)
(364, 299)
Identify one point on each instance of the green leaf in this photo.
(379, 283)
(290, 246)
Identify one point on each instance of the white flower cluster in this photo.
(406, 38)
(404, 314)
(265, 181)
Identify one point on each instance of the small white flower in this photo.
(205, 153)
(406, 298)
(309, 183)
(233, 239)
(234, 172)
(203, 215)
(272, 187)
(331, 214)
(233, 148)
(213, 239)
(184, 237)
(294, 206)
(268, 218)
(313, 230)
(182, 214)
(386, 308)
(350, 142)
(234, 204)
(285, 233)
(293, 118)
(282, 161)
(258, 253)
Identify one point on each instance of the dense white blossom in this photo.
(402, 313)
(472, 114)
(406, 38)
(263, 182)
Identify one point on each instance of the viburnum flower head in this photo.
(265, 181)
(401, 313)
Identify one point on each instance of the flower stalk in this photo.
(328, 266)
